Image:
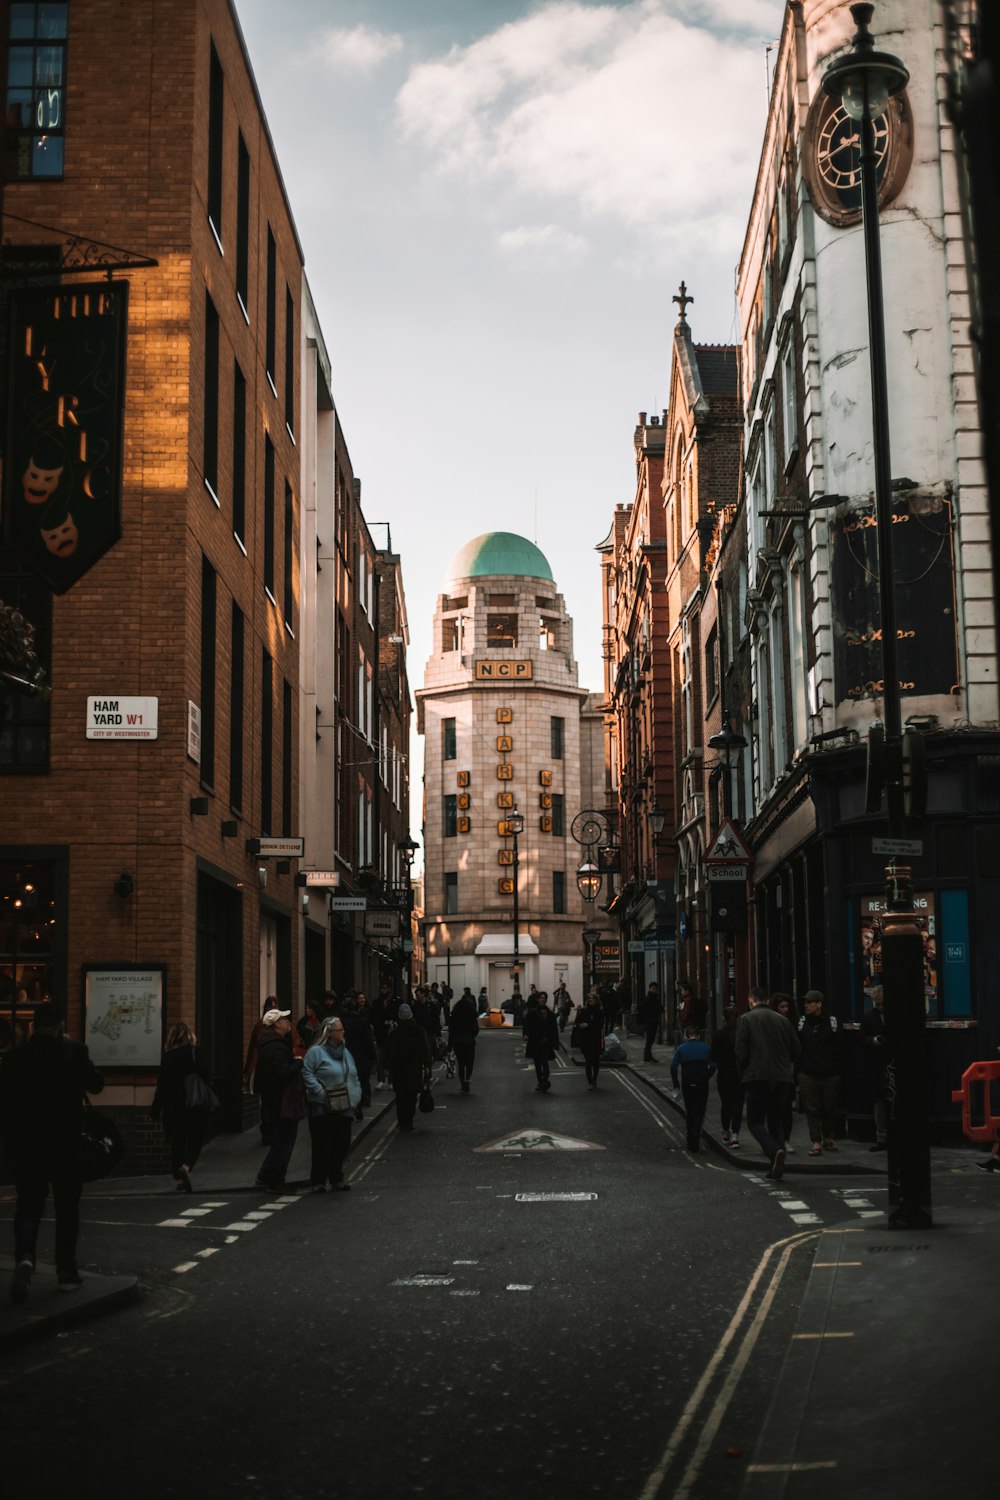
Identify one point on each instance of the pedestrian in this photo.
(541, 1039)
(484, 1001)
(650, 1015)
(306, 1028)
(383, 1010)
(333, 1093)
(767, 1050)
(785, 1006)
(693, 1061)
(609, 1000)
(278, 1083)
(588, 1032)
(360, 1040)
(185, 1123)
(447, 996)
(819, 1071)
(563, 1003)
(42, 1084)
(873, 1042)
(426, 1011)
(727, 1078)
(408, 1059)
(463, 1032)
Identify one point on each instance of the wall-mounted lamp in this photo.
(124, 885)
(657, 818)
(588, 881)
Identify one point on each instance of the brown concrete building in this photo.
(128, 861)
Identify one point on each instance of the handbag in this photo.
(575, 1036)
(426, 1103)
(100, 1146)
(198, 1094)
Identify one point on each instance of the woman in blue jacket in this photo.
(333, 1093)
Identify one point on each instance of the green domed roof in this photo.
(499, 552)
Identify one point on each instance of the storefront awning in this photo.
(500, 944)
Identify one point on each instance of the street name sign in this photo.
(897, 846)
(348, 903)
(122, 718)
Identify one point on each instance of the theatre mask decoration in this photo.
(62, 484)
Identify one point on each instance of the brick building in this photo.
(127, 860)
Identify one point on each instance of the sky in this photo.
(497, 200)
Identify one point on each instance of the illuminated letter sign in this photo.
(504, 743)
(463, 778)
(464, 824)
(62, 476)
(505, 715)
(505, 799)
(464, 801)
(505, 772)
(545, 778)
(505, 856)
(505, 886)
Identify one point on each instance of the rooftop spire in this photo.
(682, 301)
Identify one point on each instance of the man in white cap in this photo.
(277, 1067)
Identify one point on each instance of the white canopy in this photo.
(499, 944)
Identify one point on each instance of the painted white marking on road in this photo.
(460, 1293)
(276, 1206)
(257, 1213)
(668, 1126)
(289, 1198)
(870, 1213)
(465, 1262)
(554, 1197)
(195, 1213)
(822, 1335)
(835, 1265)
(222, 1203)
(189, 1265)
(858, 1202)
(424, 1281)
(519, 1286)
(204, 1254)
(806, 1218)
(793, 1203)
(231, 1239)
(538, 1140)
(174, 1224)
(241, 1226)
(828, 1463)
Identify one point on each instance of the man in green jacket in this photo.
(767, 1050)
(408, 1063)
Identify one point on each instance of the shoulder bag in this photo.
(198, 1094)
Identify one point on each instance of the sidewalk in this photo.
(228, 1164)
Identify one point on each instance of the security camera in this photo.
(262, 876)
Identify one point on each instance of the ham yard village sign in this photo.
(62, 477)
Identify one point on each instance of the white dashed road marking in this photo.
(424, 1281)
(174, 1224)
(554, 1197)
(212, 1250)
(188, 1265)
(519, 1286)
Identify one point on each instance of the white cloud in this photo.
(357, 49)
(627, 112)
(549, 240)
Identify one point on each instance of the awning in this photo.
(499, 944)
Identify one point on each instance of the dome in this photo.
(499, 552)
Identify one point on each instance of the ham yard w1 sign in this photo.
(62, 476)
(122, 718)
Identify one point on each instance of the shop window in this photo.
(30, 937)
(36, 91)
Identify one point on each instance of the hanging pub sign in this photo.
(923, 565)
(63, 470)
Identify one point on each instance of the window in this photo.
(271, 312)
(501, 630)
(289, 555)
(450, 815)
(450, 739)
(243, 225)
(239, 453)
(208, 592)
(24, 717)
(289, 361)
(286, 758)
(269, 516)
(789, 404)
(36, 91)
(557, 736)
(450, 892)
(215, 108)
(558, 814)
(559, 892)
(238, 629)
(211, 443)
(266, 742)
(712, 665)
(451, 634)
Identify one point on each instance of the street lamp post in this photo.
(592, 936)
(515, 822)
(408, 848)
(864, 81)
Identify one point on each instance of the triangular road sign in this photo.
(729, 846)
(538, 1140)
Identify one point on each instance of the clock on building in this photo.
(832, 156)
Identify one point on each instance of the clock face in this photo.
(833, 157)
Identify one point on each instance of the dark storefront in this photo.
(33, 907)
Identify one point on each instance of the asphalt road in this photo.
(487, 1309)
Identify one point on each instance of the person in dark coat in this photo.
(819, 1071)
(463, 1032)
(360, 1042)
(306, 1028)
(42, 1084)
(727, 1078)
(541, 1033)
(589, 1030)
(785, 1006)
(408, 1059)
(873, 1042)
(426, 1011)
(767, 1051)
(692, 1060)
(650, 1014)
(184, 1125)
(277, 1069)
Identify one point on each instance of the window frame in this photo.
(35, 43)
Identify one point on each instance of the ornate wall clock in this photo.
(832, 156)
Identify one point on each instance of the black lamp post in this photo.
(864, 81)
(408, 848)
(515, 822)
(724, 743)
(592, 936)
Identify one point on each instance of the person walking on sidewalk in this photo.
(588, 1029)
(42, 1084)
(785, 1006)
(819, 1071)
(463, 1032)
(360, 1040)
(541, 1032)
(333, 1093)
(873, 1042)
(727, 1078)
(767, 1050)
(408, 1059)
(693, 1061)
(650, 1015)
(277, 1073)
(184, 1123)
